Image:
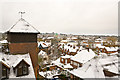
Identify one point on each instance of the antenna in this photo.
(21, 14)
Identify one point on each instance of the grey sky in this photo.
(64, 16)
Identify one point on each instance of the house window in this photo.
(19, 72)
(4, 72)
(25, 70)
(75, 63)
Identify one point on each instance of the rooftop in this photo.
(13, 60)
(83, 56)
(22, 26)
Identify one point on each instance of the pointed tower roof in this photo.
(22, 26)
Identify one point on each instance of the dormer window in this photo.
(25, 70)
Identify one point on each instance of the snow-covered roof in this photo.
(66, 47)
(108, 60)
(44, 44)
(72, 50)
(103, 54)
(42, 53)
(12, 59)
(99, 39)
(74, 38)
(50, 37)
(18, 61)
(66, 56)
(91, 69)
(65, 41)
(116, 53)
(100, 46)
(81, 47)
(5, 63)
(112, 68)
(67, 66)
(22, 26)
(83, 56)
(110, 63)
(57, 62)
(4, 41)
(111, 48)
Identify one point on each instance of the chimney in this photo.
(73, 47)
(88, 49)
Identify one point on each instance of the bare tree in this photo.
(112, 40)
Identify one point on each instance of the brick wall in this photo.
(68, 60)
(62, 60)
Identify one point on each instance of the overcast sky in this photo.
(63, 16)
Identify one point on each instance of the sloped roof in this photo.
(22, 26)
(100, 46)
(91, 69)
(112, 68)
(4, 63)
(67, 66)
(43, 44)
(66, 56)
(4, 41)
(83, 56)
(111, 48)
(42, 53)
(13, 59)
(17, 62)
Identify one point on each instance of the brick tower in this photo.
(22, 38)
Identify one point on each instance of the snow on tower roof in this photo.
(22, 26)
